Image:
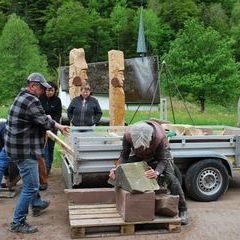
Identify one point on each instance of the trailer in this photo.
(205, 155)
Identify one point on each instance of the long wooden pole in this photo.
(55, 138)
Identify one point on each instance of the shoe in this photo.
(184, 217)
(43, 187)
(36, 211)
(23, 227)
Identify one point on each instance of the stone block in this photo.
(91, 195)
(135, 207)
(166, 205)
(130, 176)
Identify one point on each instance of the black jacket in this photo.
(84, 113)
(52, 106)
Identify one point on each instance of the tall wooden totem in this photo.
(116, 91)
(77, 71)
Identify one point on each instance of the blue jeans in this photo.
(3, 163)
(29, 195)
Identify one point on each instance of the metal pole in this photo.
(163, 109)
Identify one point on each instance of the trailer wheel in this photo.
(206, 180)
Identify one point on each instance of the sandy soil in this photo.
(214, 220)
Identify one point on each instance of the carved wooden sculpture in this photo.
(116, 91)
(77, 71)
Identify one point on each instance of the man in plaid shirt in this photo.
(24, 144)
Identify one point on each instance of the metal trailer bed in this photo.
(205, 161)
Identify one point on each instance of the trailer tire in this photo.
(206, 180)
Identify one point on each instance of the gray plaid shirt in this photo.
(26, 126)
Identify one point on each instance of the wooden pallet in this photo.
(9, 193)
(101, 220)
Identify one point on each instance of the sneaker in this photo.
(184, 217)
(36, 211)
(43, 187)
(23, 227)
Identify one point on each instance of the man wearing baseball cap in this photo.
(38, 78)
(24, 144)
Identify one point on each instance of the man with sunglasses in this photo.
(24, 144)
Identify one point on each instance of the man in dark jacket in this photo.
(148, 142)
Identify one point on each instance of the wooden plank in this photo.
(96, 222)
(92, 206)
(92, 211)
(127, 229)
(117, 221)
(78, 232)
(174, 227)
(6, 193)
(94, 216)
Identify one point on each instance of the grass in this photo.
(4, 111)
(213, 115)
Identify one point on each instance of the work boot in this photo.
(184, 217)
(43, 187)
(23, 227)
(36, 211)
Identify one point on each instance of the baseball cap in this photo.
(39, 78)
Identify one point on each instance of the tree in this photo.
(203, 65)
(32, 12)
(176, 12)
(235, 29)
(124, 31)
(100, 39)
(215, 16)
(69, 29)
(3, 20)
(20, 55)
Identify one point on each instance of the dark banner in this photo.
(141, 79)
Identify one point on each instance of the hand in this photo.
(112, 173)
(63, 128)
(151, 173)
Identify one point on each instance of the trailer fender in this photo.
(198, 155)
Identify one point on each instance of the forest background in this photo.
(199, 40)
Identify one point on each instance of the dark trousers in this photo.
(49, 154)
(174, 186)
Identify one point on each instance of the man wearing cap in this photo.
(24, 144)
(148, 142)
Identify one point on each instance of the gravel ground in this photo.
(214, 220)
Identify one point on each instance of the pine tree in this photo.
(20, 55)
